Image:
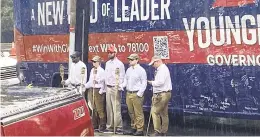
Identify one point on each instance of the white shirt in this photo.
(162, 81)
(75, 76)
(99, 78)
(136, 79)
(110, 69)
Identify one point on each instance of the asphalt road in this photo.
(203, 126)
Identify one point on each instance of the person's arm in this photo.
(86, 74)
(105, 72)
(143, 81)
(103, 88)
(68, 81)
(125, 80)
(90, 81)
(121, 75)
(159, 79)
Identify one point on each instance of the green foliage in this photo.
(7, 22)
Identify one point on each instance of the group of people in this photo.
(105, 85)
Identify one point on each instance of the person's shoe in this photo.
(129, 132)
(139, 133)
(119, 131)
(108, 130)
(156, 133)
(102, 128)
(96, 129)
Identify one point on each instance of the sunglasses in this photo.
(93, 61)
(73, 57)
(131, 59)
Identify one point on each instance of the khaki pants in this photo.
(113, 112)
(98, 118)
(135, 110)
(160, 111)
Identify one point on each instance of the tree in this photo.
(7, 21)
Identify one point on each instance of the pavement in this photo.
(108, 134)
(201, 126)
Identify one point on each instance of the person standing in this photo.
(135, 82)
(75, 76)
(162, 87)
(95, 86)
(113, 94)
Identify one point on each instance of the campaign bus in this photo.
(210, 46)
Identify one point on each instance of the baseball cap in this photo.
(112, 49)
(133, 56)
(154, 58)
(96, 59)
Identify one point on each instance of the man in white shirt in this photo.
(162, 87)
(96, 85)
(135, 83)
(75, 76)
(113, 94)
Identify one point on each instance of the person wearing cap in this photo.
(113, 96)
(75, 76)
(96, 85)
(135, 82)
(162, 87)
